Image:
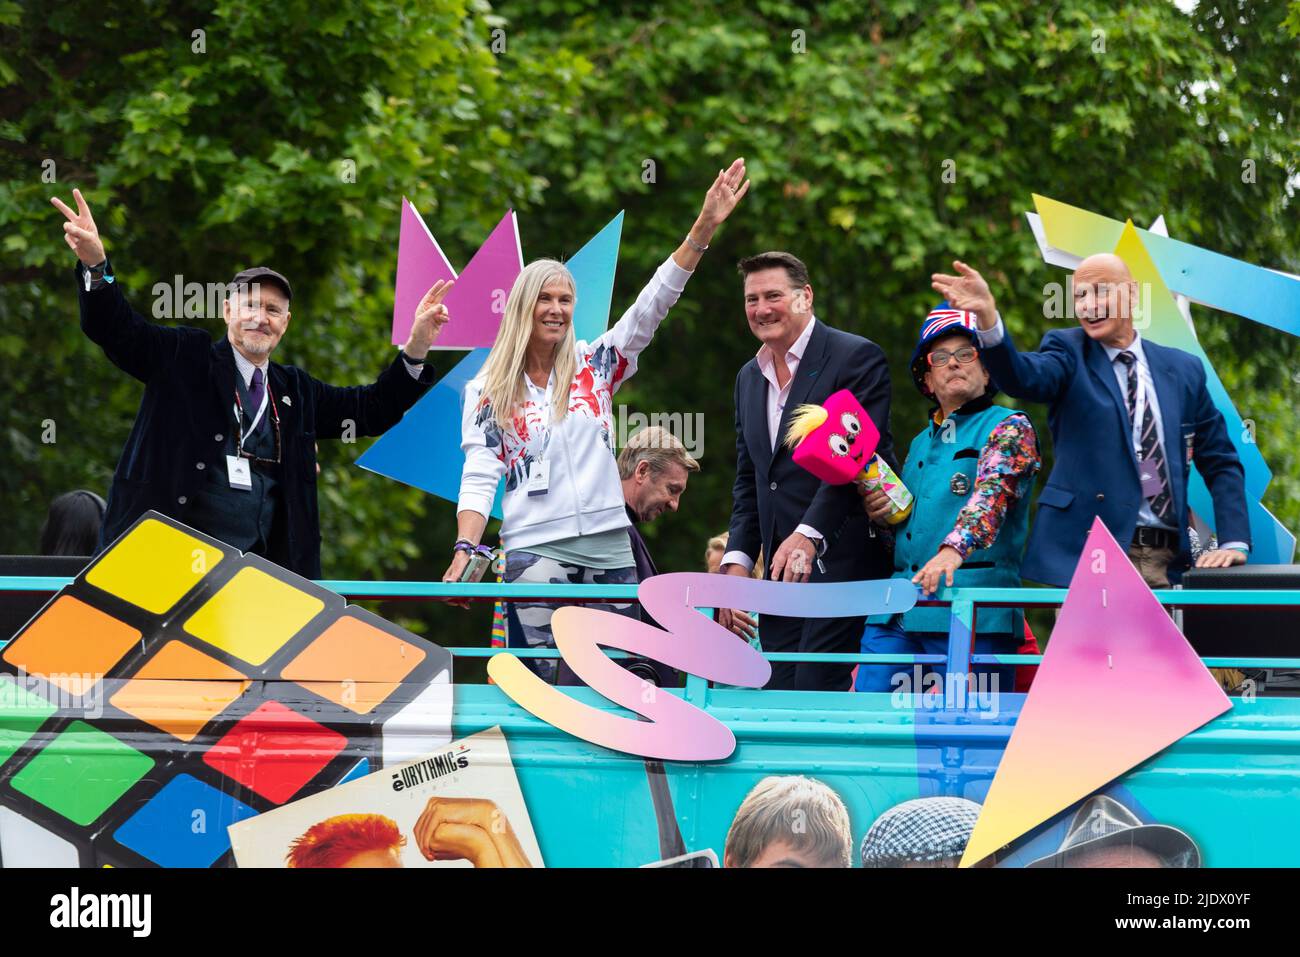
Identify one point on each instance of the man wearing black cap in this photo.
(225, 439)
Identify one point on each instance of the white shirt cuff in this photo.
(807, 531)
(674, 276)
(1241, 545)
(738, 558)
(416, 369)
(991, 337)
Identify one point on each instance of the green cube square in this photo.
(21, 713)
(81, 773)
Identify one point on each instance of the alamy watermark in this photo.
(81, 693)
(133, 912)
(686, 427)
(976, 691)
(1108, 300)
(179, 299)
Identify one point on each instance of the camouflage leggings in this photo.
(530, 621)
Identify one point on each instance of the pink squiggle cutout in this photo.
(676, 730)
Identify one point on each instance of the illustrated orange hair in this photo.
(334, 841)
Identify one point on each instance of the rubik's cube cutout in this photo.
(177, 687)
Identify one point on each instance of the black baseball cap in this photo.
(260, 274)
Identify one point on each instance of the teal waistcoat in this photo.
(940, 472)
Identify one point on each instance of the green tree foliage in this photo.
(850, 114)
(212, 136)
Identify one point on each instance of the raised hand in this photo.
(80, 232)
(430, 316)
(727, 190)
(967, 291)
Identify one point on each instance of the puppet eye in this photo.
(839, 445)
(851, 424)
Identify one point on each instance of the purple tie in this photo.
(256, 392)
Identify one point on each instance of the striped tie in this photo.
(1162, 504)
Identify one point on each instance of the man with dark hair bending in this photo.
(811, 530)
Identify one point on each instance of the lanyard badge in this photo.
(239, 466)
(267, 400)
(538, 478)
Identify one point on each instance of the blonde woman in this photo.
(540, 413)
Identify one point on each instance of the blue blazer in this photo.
(1096, 471)
(772, 495)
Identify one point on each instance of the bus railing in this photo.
(964, 602)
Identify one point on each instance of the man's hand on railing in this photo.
(940, 567)
(735, 621)
(738, 623)
(1221, 558)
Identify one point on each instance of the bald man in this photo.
(1128, 417)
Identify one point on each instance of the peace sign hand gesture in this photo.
(80, 231)
(968, 292)
(430, 316)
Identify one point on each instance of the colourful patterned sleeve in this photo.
(1006, 470)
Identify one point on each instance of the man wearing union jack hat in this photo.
(970, 470)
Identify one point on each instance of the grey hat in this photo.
(920, 831)
(258, 273)
(1102, 821)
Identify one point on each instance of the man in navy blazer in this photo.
(225, 439)
(811, 531)
(1128, 418)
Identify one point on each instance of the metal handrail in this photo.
(985, 597)
(963, 601)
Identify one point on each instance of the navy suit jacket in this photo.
(1096, 470)
(773, 496)
(185, 415)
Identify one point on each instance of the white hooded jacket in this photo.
(584, 494)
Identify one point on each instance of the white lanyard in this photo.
(266, 400)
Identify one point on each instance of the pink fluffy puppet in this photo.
(837, 443)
